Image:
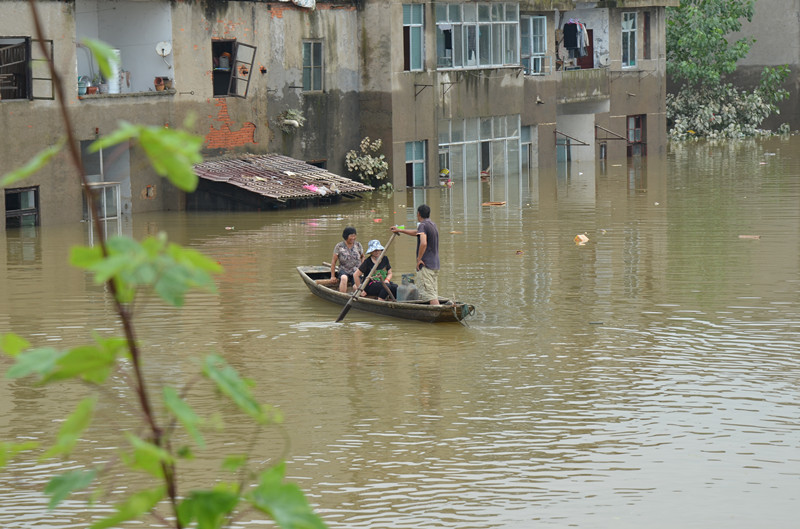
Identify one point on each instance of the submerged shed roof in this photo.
(278, 177)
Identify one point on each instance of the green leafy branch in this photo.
(128, 267)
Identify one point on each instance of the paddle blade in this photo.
(344, 312)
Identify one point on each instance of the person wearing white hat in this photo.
(381, 279)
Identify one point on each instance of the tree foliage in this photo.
(698, 50)
(700, 54)
(128, 269)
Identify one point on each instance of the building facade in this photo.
(477, 93)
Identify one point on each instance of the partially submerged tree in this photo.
(699, 56)
(170, 430)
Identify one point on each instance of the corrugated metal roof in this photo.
(278, 177)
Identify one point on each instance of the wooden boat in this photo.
(317, 279)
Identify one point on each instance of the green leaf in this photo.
(65, 484)
(232, 385)
(104, 54)
(85, 257)
(285, 503)
(36, 361)
(13, 344)
(147, 457)
(132, 508)
(169, 269)
(209, 508)
(93, 363)
(36, 163)
(184, 413)
(72, 428)
(234, 463)
(124, 132)
(9, 450)
(173, 154)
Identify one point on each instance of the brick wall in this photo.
(229, 134)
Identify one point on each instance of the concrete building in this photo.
(481, 93)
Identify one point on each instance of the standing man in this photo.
(427, 234)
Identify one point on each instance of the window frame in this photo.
(232, 80)
(636, 134)
(413, 37)
(31, 69)
(416, 163)
(316, 83)
(22, 212)
(535, 59)
(99, 185)
(473, 32)
(628, 39)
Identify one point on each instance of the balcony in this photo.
(586, 85)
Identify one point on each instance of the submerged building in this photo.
(477, 93)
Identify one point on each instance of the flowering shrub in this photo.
(723, 111)
(367, 166)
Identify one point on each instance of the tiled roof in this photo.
(278, 177)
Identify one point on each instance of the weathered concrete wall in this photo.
(776, 28)
(365, 92)
(228, 124)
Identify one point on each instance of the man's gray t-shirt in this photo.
(431, 255)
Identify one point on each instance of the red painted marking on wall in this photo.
(225, 137)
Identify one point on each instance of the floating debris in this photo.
(581, 239)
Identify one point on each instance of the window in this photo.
(106, 193)
(108, 173)
(637, 135)
(479, 146)
(413, 49)
(312, 66)
(232, 66)
(23, 72)
(415, 163)
(646, 36)
(22, 207)
(534, 44)
(477, 35)
(628, 40)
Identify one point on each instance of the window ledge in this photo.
(95, 97)
(473, 68)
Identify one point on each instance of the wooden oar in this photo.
(346, 308)
(388, 291)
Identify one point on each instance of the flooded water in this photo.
(647, 378)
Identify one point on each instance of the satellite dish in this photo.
(164, 48)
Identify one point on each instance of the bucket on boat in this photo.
(407, 290)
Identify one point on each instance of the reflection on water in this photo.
(646, 378)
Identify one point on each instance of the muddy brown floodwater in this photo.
(647, 378)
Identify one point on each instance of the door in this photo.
(587, 61)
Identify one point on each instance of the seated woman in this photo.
(349, 254)
(380, 280)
